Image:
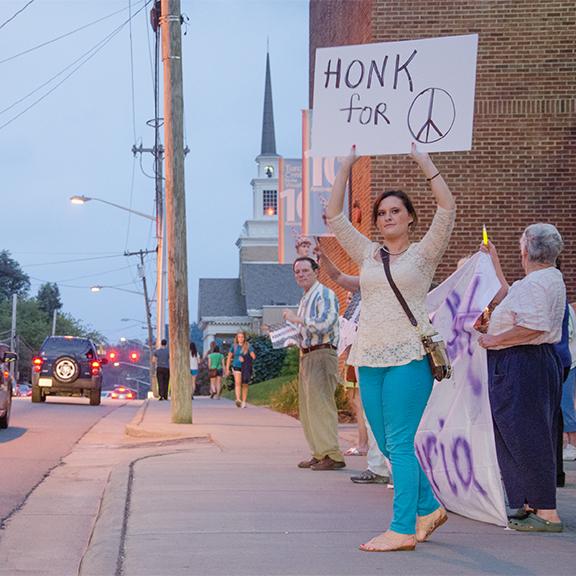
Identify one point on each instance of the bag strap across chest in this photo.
(386, 262)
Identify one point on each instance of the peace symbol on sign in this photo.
(431, 115)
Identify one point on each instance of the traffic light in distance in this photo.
(134, 356)
(112, 355)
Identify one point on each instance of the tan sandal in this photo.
(425, 525)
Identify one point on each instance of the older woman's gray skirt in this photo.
(525, 386)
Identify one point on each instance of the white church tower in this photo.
(258, 241)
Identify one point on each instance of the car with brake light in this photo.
(67, 366)
(6, 385)
(122, 393)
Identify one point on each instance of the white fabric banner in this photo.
(455, 440)
(384, 96)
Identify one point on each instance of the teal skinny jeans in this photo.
(394, 399)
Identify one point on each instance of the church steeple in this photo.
(268, 136)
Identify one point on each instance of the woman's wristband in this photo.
(432, 177)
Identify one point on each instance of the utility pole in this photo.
(142, 274)
(178, 319)
(13, 370)
(54, 317)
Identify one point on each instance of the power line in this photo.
(74, 260)
(14, 16)
(132, 70)
(101, 273)
(87, 56)
(72, 32)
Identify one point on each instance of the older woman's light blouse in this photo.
(385, 335)
(536, 302)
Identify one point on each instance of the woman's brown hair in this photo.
(401, 195)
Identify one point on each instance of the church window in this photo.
(270, 202)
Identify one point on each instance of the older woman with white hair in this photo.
(525, 378)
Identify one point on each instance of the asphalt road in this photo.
(38, 437)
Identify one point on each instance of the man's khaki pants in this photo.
(318, 413)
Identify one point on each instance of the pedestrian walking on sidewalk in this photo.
(240, 361)
(193, 367)
(247, 359)
(317, 320)
(162, 356)
(395, 376)
(215, 371)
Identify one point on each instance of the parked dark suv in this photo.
(5, 385)
(67, 366)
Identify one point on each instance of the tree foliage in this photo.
(33, 315)
(12, 279)
(48, 298)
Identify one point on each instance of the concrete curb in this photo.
(103, 551)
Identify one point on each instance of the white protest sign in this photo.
(284, 336)
(382, 97)
(455, 439)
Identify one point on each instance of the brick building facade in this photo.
(522, 166)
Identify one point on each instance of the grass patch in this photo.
(260, 394)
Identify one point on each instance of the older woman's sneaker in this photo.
(569, 453)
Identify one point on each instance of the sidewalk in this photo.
(224, 496)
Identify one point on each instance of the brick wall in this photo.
(522, 166)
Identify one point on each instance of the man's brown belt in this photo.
(317, 347)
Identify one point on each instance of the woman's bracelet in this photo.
(432, 177)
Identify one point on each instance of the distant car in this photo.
(23, 390)
(5, 385)
(122, 393)
(67, 366)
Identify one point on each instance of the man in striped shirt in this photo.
(317, 321)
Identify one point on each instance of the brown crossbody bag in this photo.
(434, 346)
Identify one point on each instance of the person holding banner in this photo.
(525, 378)
(395, 377)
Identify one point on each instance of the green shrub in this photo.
(269, 362)
(285, 400)
(291, 362)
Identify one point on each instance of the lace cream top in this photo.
(385, 336)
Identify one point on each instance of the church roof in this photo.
(220, 297)
(269, 284)
(268, 136)
(264, 285)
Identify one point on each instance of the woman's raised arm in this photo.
(440, 190)
(336, 202)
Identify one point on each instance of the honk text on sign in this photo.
(382, 97)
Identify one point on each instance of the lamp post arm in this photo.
(126, 209)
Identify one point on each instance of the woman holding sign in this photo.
(395, 377)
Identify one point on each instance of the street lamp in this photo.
(99, 287)
(83, 199)
(160, 279)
